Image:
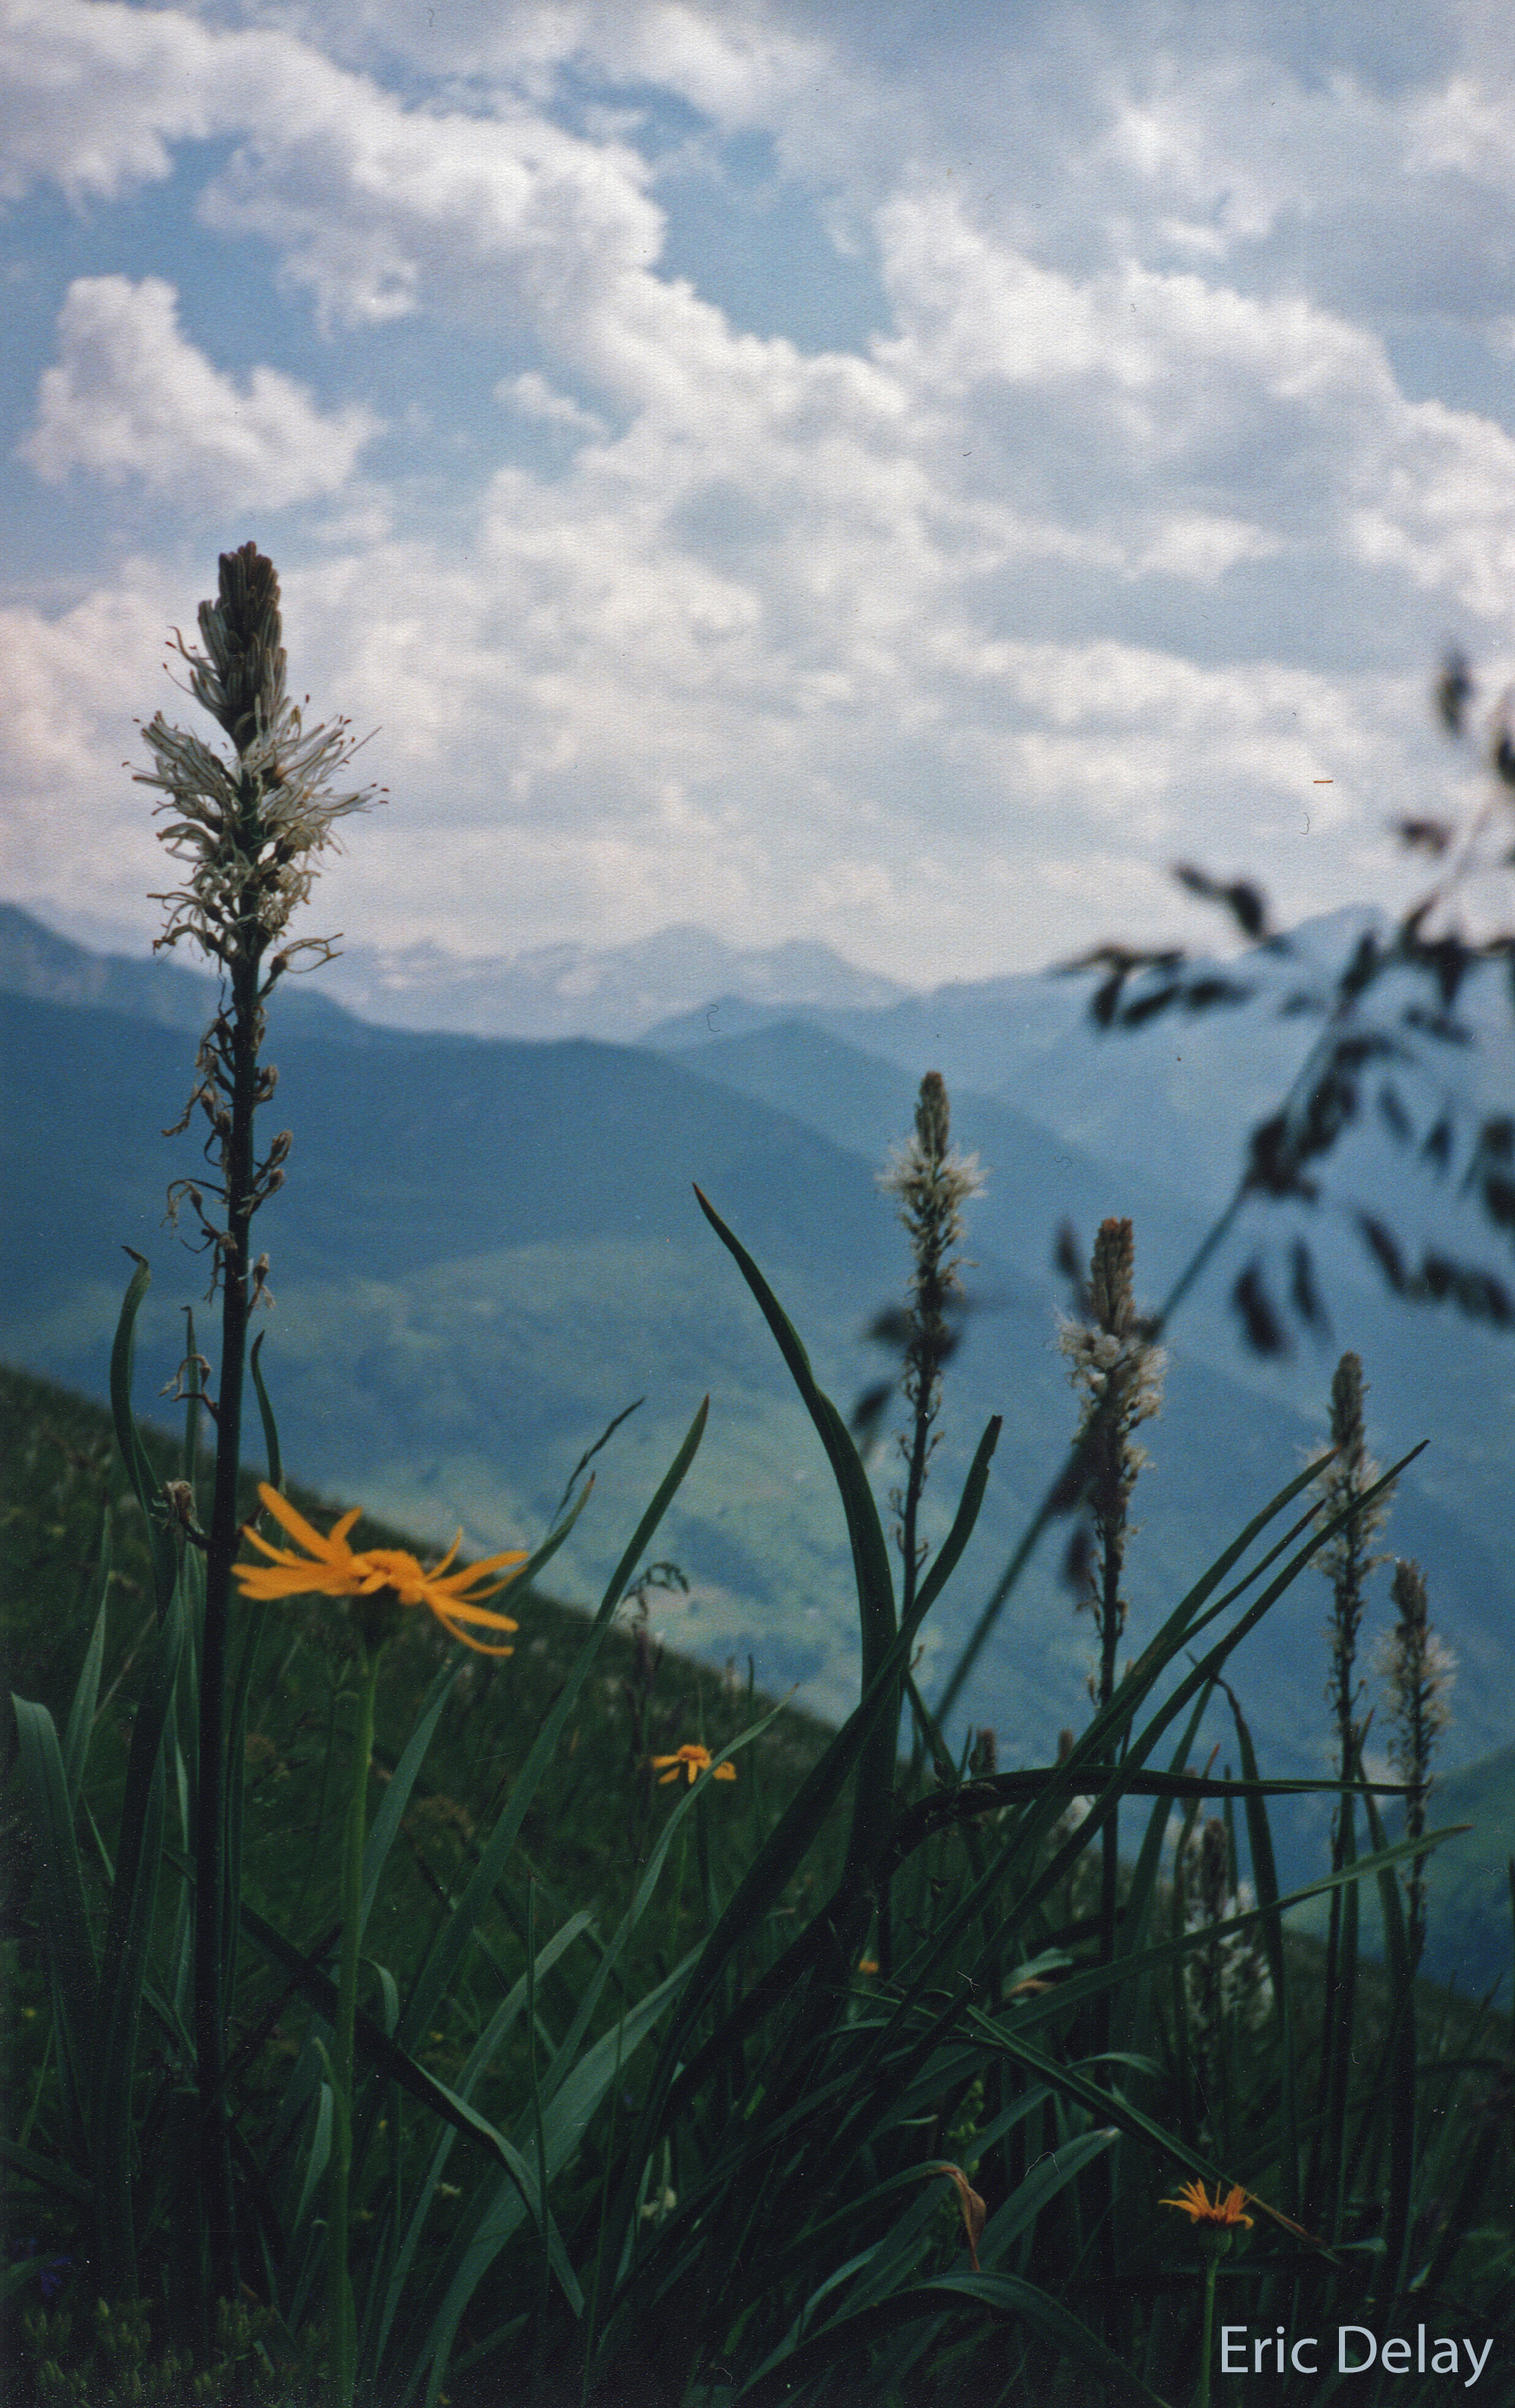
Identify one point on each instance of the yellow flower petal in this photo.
(298, 1527)
(330, 1567)
(1194, 2201)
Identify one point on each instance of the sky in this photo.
(856, 471)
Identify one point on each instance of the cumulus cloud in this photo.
(534, 397)
(1125, 529)
(131, 397)
(73, 827)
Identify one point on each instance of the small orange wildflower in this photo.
(694, 1761)
(330, 1567)
(1194, 2203)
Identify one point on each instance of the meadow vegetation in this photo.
(420, 1990)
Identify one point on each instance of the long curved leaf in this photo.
(783, 2377)
(873, 1578)
(146, 1487)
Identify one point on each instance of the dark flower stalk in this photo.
(1420, 1671)
(932, 1182)
(249, 830)
(1113, 1364)
(1347, 1561)
(1118, 1368)
(1119, 1371)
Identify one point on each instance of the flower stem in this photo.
(342, 2345)
(1202, 2388)
(211, 1922)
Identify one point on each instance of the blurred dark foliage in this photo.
(1388, 1025)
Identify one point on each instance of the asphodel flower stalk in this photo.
(1347, 1561)
(249, 830)
(1117, 1367)
(931, 1181)
(1420, 1671)
(1347, 1558)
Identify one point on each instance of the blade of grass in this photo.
(146, 1487)
(1400, 2067)
(797, 1829)
(447, 1950)
(782, 2379)
(69, 1942)
(873, 1574)
(76, 1746)
(499, 2207)
(479, 2057)
(1265, 1878)
(123, 1960)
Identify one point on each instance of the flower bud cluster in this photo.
(1115, 1364)
(250, 829)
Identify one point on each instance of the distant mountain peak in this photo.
(616, 991)
(37, 962)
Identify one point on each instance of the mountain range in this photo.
(565, 990)
(487, 1248)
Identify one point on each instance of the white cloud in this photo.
(534, 397)
(73, 826)
(1125, 531)
(131, 397)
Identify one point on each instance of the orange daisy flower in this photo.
(330, 1567)
(692, 1760)
(1194, 2203)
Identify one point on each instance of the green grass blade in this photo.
(790, 2374)
(1140, 1896)
(780, 1856)
(1076, 1986)
(647, 1881)
(949, 1554)
(123, 1960)
(266, 1414)
(1399, 2067)
(1265, 1877)
(872, 1575)
(64, 1916)
(784, 1849)
(315, 2164)
(396, 1797)
(382, 2051)
(46, 2172)
(447, 1950)
(1083, 1771)
(565, 2122)
(479, 2057)
(76, 1746)
(1020, 2211)
(1193, 1613)
(146, 1487)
